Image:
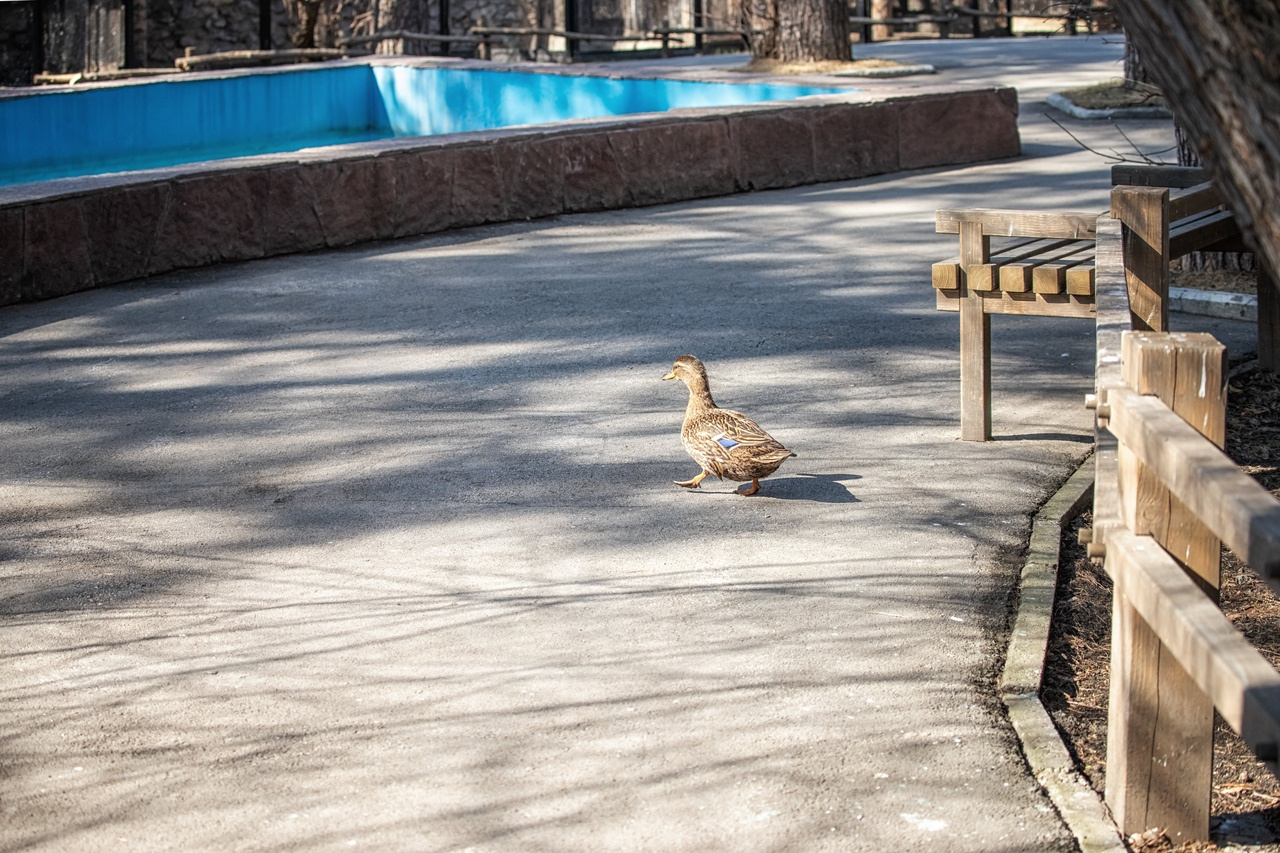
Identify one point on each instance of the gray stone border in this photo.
(887, 71)
(1063, 104)
(1212, 303)
(1079, 805)
(73, 234)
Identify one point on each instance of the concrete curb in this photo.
(1079, 805)
(1207, 303)
(893, 71)
(1062, 104)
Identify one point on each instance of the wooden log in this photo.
(1081, 280)
(946, 274)
(1020, 223)
(1022, 304)
(975, 341)
(1206, 646)
(1160, 725)
(1145, 214)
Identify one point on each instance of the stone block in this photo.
(56, 250)
(532, 174)
(592, 178)
(772, 149)
(121, 224)
(13, 264)
(423, 191)
(962, 127)
(477, 186)
(854, 140)
(354, 199)
(213, 218)
(290, 222)
(673, 162)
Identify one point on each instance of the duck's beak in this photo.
(671, 375)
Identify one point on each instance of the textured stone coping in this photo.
(1081, 808)
(71, 234)
(1066, 105)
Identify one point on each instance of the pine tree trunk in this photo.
(799, 30)
(1217, 64)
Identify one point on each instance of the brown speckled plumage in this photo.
(723, 442)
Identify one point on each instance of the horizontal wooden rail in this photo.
(539, 31)
(1243, 686)
(1201, 197)
(1003, 223)
(405, 35)
(1232, 504)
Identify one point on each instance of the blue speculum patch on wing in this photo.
(726, 442)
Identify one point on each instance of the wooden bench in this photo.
(1042, 264)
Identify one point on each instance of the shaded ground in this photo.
(1246, 796)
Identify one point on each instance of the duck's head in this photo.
(689, 370)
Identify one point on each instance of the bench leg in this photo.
(1268, 319)
(975, 370)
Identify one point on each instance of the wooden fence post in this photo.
(975, 340)
(1160, 725)
(1145, 214)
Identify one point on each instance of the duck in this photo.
(723, 442)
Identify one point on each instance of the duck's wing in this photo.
(732, 429)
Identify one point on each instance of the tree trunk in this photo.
(1217, 64)
(410, 15)
(799, 30)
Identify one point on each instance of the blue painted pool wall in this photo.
(238, 115)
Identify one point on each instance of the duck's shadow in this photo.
(820, 488)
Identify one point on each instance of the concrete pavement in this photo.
(379, 548)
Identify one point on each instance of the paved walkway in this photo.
(380, 549)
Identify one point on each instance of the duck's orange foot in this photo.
(755, 487)
(695, 482)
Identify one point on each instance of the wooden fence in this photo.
(1165, 497)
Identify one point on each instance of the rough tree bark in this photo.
(799, 30)
(1217, 62)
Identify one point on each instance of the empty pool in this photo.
(142, 125)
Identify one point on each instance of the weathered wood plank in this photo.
(1113, 319)
(1240, 512)
(1135, 175)
(1193, 200)
(1023, 304)
(1242, 685)
(975, 341)
(1198, 232)
(1020, 223)
(1145, 214)
(1268, 319)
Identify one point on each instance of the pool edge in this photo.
(91, 232)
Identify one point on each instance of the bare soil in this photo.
(1246, 796)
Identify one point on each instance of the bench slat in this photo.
(1019, 277)
(946, 274)
(1052, 278)
(1020, 223)
(1197, 232)
(1081, 280)
(1193, 200)
(986, 276)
